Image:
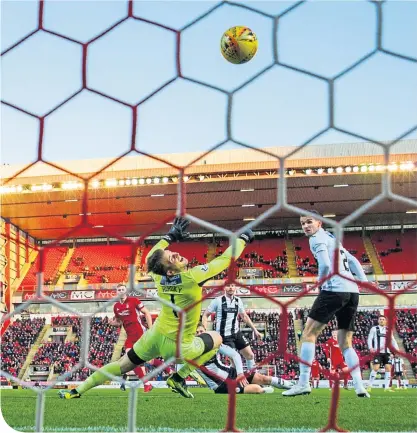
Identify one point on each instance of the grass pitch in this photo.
(161, 410)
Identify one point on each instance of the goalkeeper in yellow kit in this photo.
(183, 288)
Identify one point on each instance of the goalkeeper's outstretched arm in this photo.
(219, 264)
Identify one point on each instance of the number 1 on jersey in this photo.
(173, 301)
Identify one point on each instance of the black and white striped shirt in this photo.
(377, 339)
(219, 371)
(227, 310)
(398, 365)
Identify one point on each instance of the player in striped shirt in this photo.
(377, 343)
(216, 373)
(398, 373)
(229, 308)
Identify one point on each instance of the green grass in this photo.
(161, 410)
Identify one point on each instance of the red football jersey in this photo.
(332, 351)
(315, 368)
(129, 313)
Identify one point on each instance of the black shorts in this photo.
(222, 389)
(382, 359)
(398, 374)
(236, 341)
(343, 305)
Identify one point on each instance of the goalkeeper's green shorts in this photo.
(153, 345)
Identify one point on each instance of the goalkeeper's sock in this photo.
(306, 355)
(98, 377)
(352, 360)
(372, 377)
(250, 363)
(186, 369)
(140, 373)
(387, 379)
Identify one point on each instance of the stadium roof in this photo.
(226, 188)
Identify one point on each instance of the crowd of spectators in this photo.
(16, 343)
(64, 356)
(287, 368)
(407, 329)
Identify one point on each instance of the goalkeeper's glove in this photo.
(248, 236)
(178, 230)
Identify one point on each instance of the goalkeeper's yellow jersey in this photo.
(185, 289)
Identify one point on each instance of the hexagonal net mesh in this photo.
(282, 203)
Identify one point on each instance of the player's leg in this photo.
(261, 379)
(346, 324)
(375, 364)
(140, 371)
(201, 350)
(308, 347)
(256, 389)
(243, 346)
(118, 368)
(387, 376)
(122, 386)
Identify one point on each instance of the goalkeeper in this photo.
(180, 287)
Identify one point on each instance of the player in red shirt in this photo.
(315, 373)
(127, 313)
(336, 360)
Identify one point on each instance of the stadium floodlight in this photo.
(201, 177)
(165, 180)
(148, 181)
(247, 190)
(95, 183)
(320, 171)
(249, 219)
(393, 167)
(187, 178)
(134, 181)
(291, 172)
(170, 224)
(174, 179)
(348, 169)
(97, 227)
(19, 188)
(342, 185)
(37, 188)
(128, 182)
(141, 181)
(110, 182)
(364, 168)
(406, 166)
(156, 180)
(412, 211)
(371, 168)
(71, 200)
(339, 170)
(380, 167)
(248, 205)
(329, 215)
(121, 182)
(355, 169)
(308, 171)
(157, 195)
(330, 170)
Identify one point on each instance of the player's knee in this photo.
(134, 358)
(212, 340)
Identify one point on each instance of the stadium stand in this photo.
(52, 259)
(306, 264)
(63, 356)
(17, 341)
(101, 263)
(397, 251)
(407, 329)
(353, 242)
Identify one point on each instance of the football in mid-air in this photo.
(239, 45)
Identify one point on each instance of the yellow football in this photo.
(239, 45)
